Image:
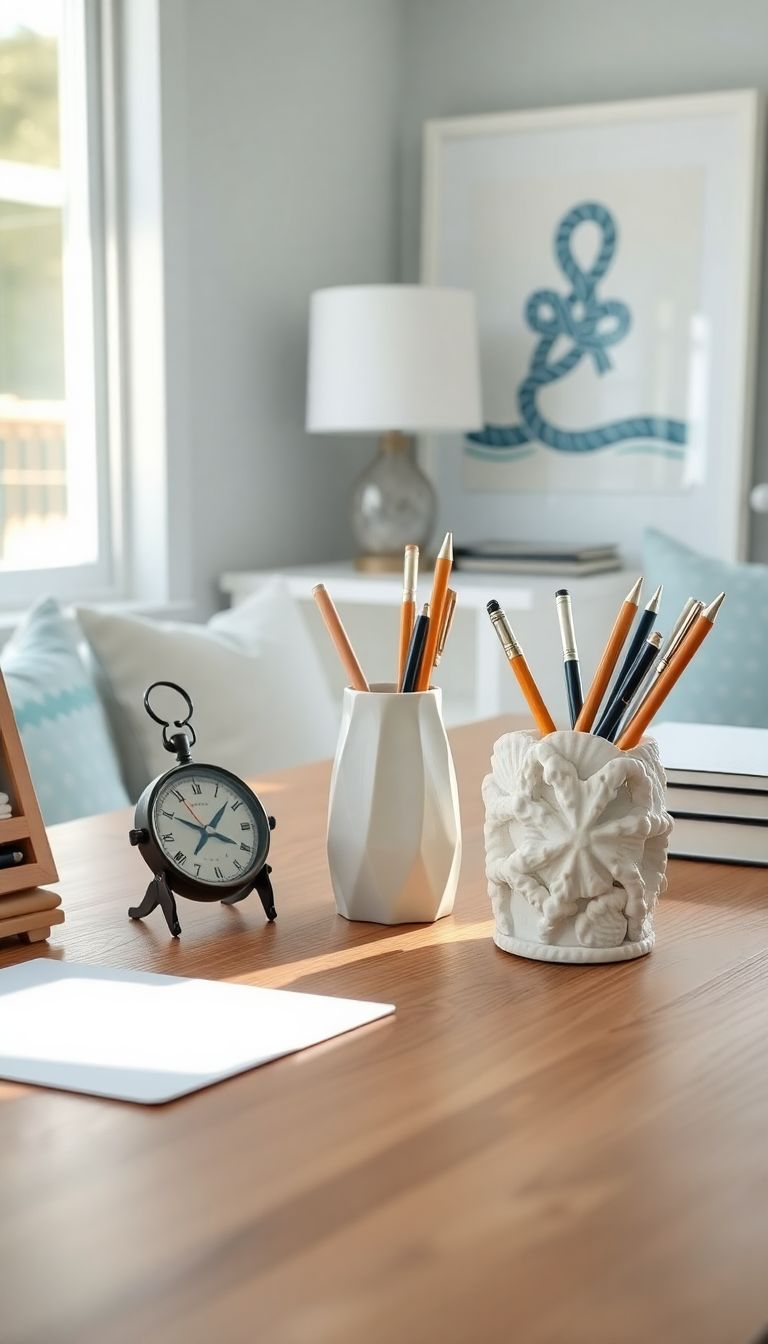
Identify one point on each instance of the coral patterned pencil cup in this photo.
(576, 846)
(394, 831)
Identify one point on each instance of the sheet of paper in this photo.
(137, 1036)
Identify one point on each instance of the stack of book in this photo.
(564, 559)
(717, 791)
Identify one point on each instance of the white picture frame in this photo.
(667, 195)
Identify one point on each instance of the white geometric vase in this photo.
(576, 846)
(394, 831)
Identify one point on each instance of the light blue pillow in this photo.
(71, 758)
(727, 681)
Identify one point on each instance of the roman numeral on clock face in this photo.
(236, 805)
(197, 788)
(245, 825)
(247, 848)
(219, 874)
(179, 857)
(169, 836)
(238, 866)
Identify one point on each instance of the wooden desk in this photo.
(525, 1152)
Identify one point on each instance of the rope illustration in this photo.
(592, 326)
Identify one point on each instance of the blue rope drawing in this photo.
(592, 326)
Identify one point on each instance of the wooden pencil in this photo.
(333, 625)
(443, 565)
(674, 669)
(516, 659)
(616, 640)
(408, 608)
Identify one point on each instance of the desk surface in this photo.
(526, 1151)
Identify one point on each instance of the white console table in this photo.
(474, 674)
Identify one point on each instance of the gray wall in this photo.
(279, 177)
(471, 56)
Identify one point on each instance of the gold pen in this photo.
(449, 613)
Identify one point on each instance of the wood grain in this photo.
(526, 1152)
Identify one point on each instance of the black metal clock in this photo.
(201, 830)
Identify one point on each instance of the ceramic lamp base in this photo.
(393, 503)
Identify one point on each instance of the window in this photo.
(55, 530)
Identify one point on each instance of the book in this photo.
(562, 568)
(536, 550)
(736, 804)
(714, 756)
(720, 841)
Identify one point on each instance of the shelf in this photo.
(13, 828)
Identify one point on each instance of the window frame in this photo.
(81, 106)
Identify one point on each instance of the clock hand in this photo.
(215, 820)
(189, 809)
(204, 838)
(193, 826)
(226, 838)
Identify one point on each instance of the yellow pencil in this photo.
(675, 667)
(516, 659)
(443, 565)
(408, 608)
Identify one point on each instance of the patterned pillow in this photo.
(63, 728)
(726, 682)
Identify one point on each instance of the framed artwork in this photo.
(613, 251)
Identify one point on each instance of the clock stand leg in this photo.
(158, 893)
(263, 886)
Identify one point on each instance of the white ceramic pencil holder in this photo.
(576, 846)
(394, 830)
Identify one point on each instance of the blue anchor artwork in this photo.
(592, 325)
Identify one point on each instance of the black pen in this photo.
(642, 631)
(416, 649)
(609, 724)
(570, 654)
(11, 858)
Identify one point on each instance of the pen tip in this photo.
(446, 550)
(634, 593)
(561, 592)
(492, 606)
(653, 605)
(711, 611)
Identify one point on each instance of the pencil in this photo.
(340, 638)
(642, 631)
(516, 658)
(674, 669)
(570, 654)
(621, 628)
(449, 611)
(440, 579)
(413, 662)
(680, 629)
(408, 609)
(611, 719)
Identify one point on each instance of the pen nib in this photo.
(655, 601)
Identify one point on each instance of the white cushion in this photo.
(256, 681)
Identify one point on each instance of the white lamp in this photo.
(393, 360)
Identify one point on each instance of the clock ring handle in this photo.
(171, 742)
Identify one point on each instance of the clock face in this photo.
(208, 828)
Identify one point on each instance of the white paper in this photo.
(137, 1036)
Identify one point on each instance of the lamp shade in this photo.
(392, 357)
